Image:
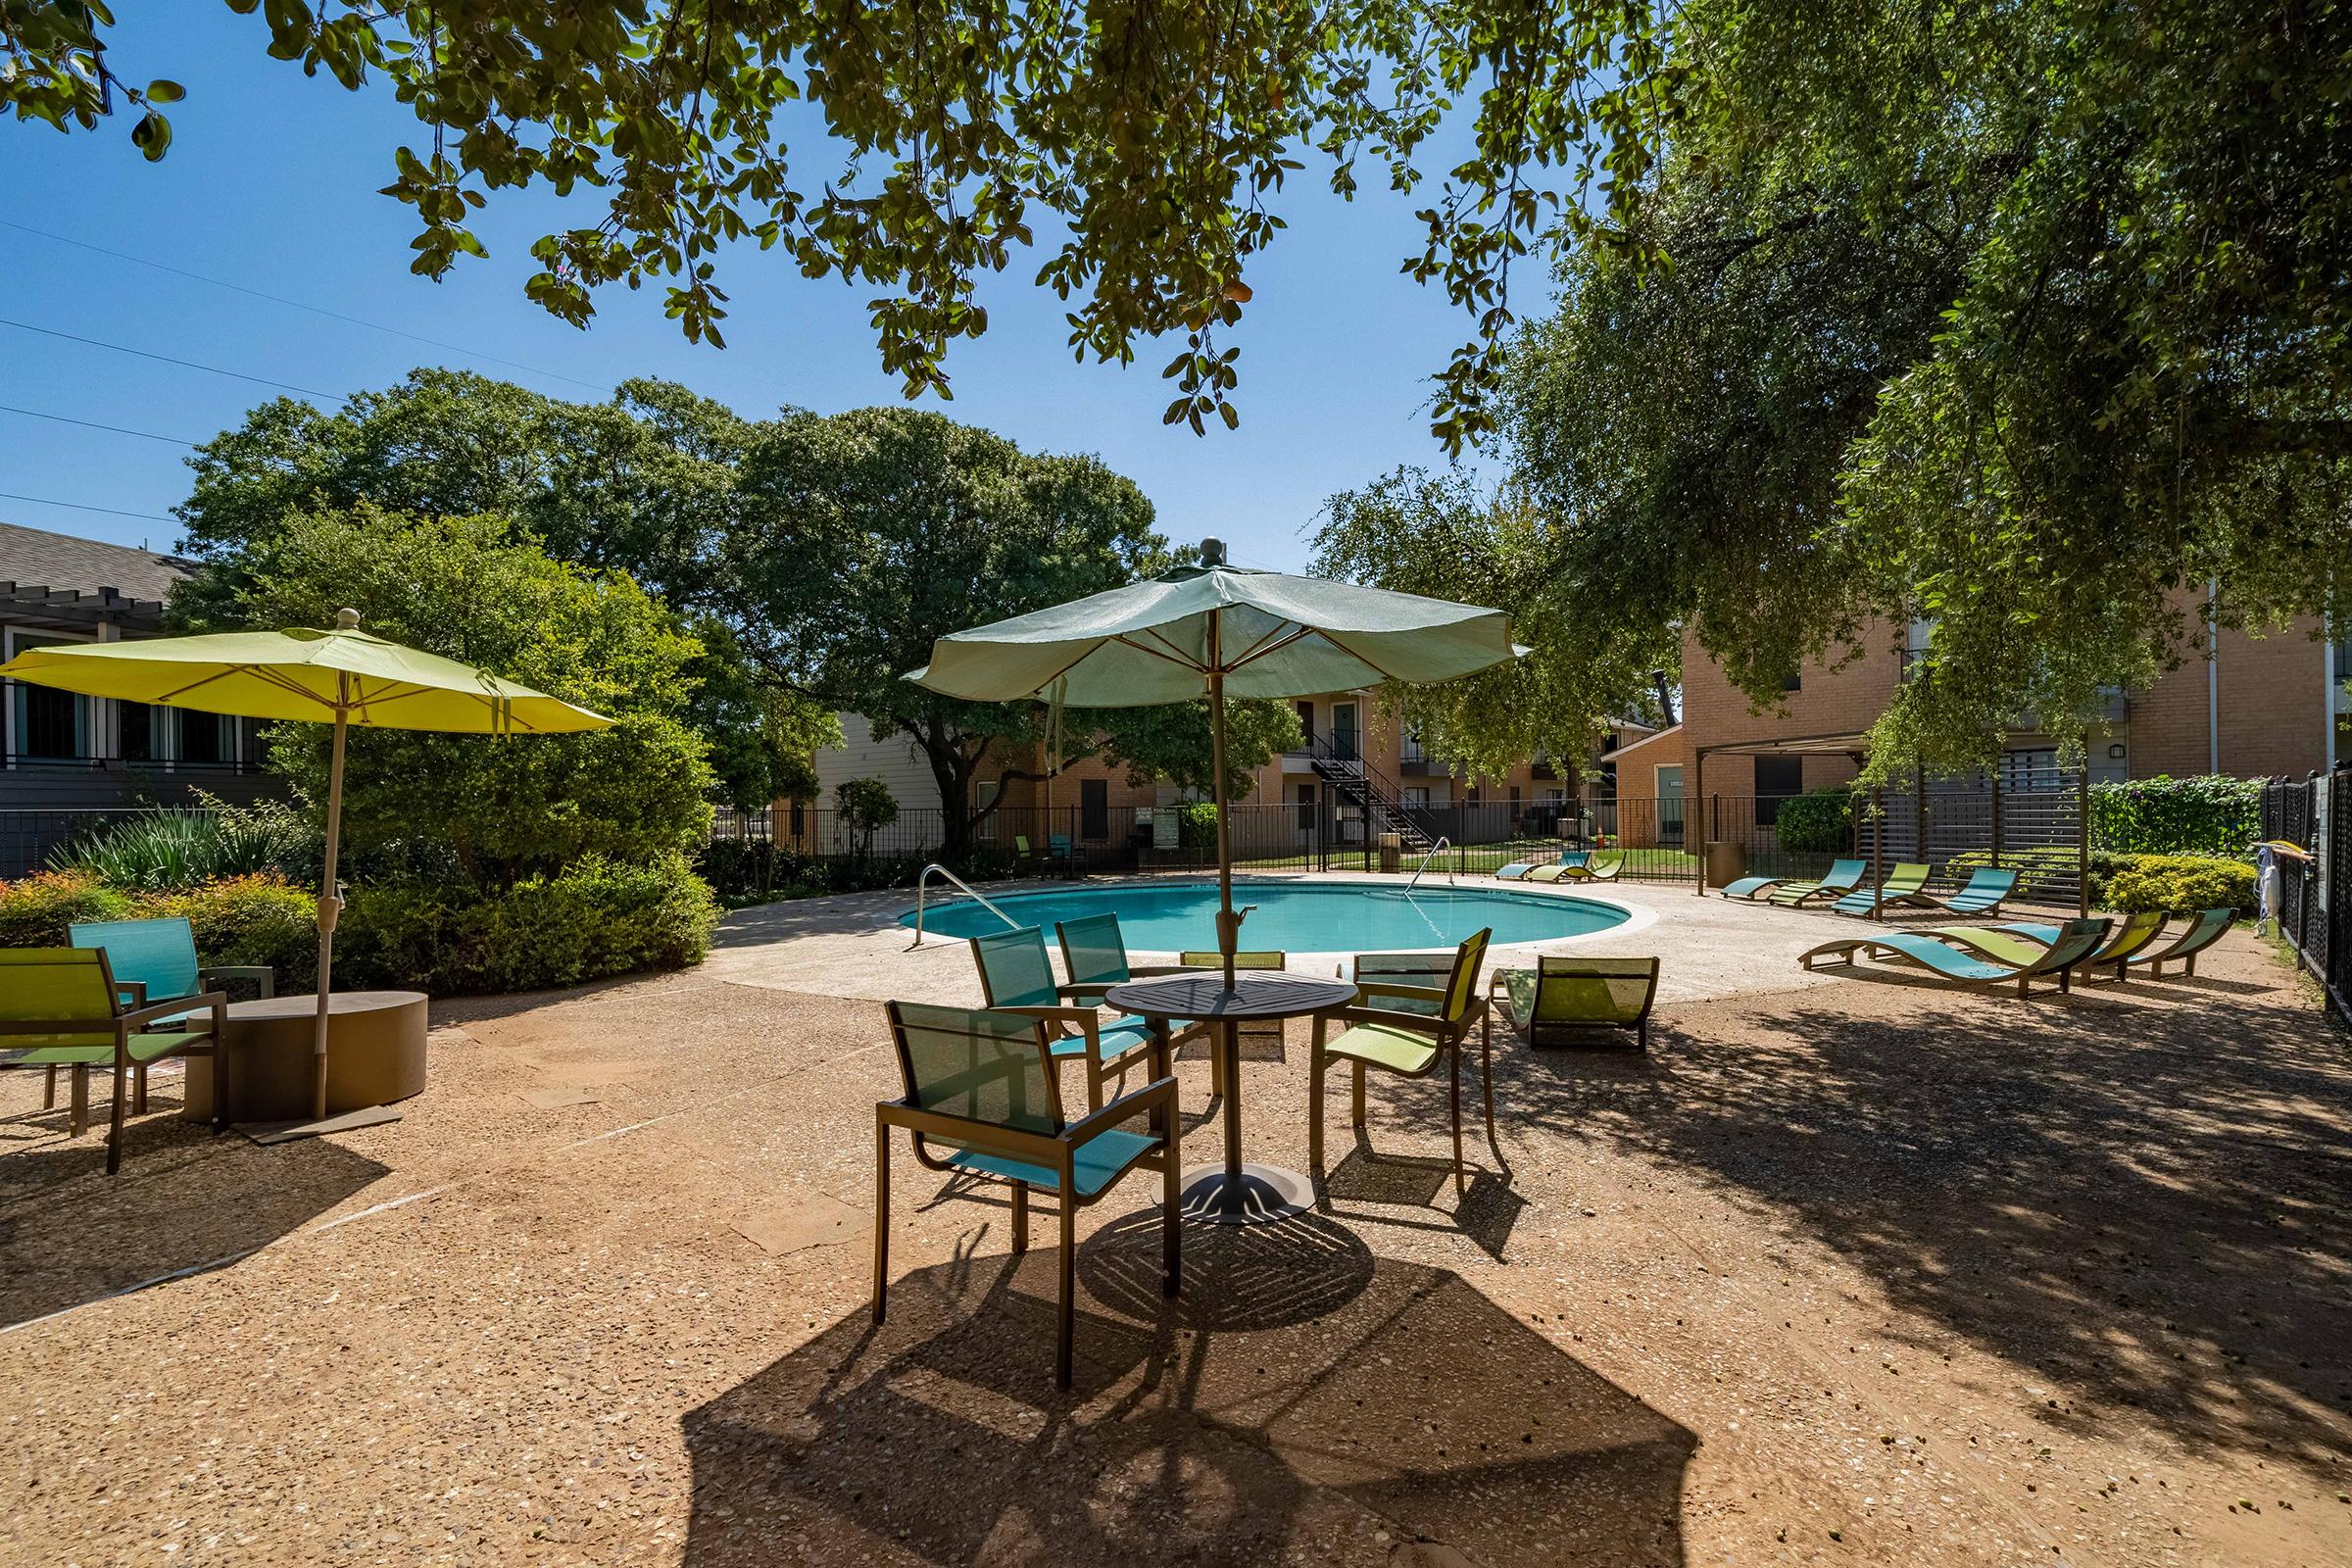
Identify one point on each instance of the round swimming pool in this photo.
(1292, 918)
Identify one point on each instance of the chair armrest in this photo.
(1154, 971)
(1089, 1019)
(1383, 1015)
(1386, 988)
(194, 1003)
(261, 973)
(134, 992)
(1160, 1091)
(1080, 990)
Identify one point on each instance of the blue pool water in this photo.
(1301, 917)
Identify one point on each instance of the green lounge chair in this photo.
(1261, 1030)
(1601, 865)
(1907, 883)
(2021, 942)
(1410, 1030)
(2202, 932)
(983, 1086)
(1988, 886)
(1016, 976)
(1517, 870)
(63, 1008)
(1959, 966)
(1577, 994)
(1843, 877)
(1570, 862)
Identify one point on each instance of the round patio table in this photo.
(1234, 1194)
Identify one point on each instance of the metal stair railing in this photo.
(1349, 772)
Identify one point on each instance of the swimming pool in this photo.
(1293, 918)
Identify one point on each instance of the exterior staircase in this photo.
(1369, 789)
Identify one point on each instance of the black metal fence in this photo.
(2312, 901)
(29, 837)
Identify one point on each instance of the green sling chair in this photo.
(1907, 883)
(1093, 954)
(2203, 931)
(2025, 942)
(1016, 976)
(63, 1008)
(161, 956)
(1261, 1030)
(1575, 994)
(1843, 877)
(1955, 965)
(982, 1100)
(1406, 1029)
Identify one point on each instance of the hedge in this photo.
(2177, 882)
(2209, 814)
(1819, 822)
(240, 920)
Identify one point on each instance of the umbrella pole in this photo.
(1227, 937)
(329, 905)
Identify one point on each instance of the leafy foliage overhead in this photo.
(1133, 155)
(1172, 742)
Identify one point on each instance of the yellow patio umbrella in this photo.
(340, 677)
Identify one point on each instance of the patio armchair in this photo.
(1408, 1029)
(981, 1099)
(1987, 887)
(1843, 877)
(1907, 883)
(1064, 856)
(1093, 954)
(1259, 1029)
(1955, 965)
(63, 1008)
(1600, 865)
(155, 962)
(1016, 976)
(1576, 994)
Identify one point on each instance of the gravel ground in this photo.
(1862, 1273)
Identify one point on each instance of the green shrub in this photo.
(2210, 815)
(2144, 882)
(1818, 822)
(594, 919)
(179, 847)
(35, 911)
(1196, 826)
(250, 920)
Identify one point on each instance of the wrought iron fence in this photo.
(2312, 896)
(29, 837)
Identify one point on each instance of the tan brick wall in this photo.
(2272, 715)
(1826, 701)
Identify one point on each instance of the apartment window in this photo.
(206, 738)
(49, 725)
(1094, 808)
(1306, 807)
(2027, 772)
(1777, 778)
(142, 731)
(1416, 797)
(1306, 723)
(1411, 750)
(1793, 681)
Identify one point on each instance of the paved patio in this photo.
(1843, 1271)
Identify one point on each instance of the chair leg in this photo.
(114, 1121)
(78, 1115)
(139, 1086)
(1171, 1259)
(881, 1217)
(1021, 1216)
(1486, 1079)
(1066, 1322)
(1314, 1100)
(49, 1090)
(1453, 1059)
(1356, 1098)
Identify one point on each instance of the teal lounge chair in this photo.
(2023, 942)
(1958, 967)
(982, 1083)
(1016, 976)
(1845, 877)
(1987, 887)
(2202, 932)
(1600, 865)
(1907, 883)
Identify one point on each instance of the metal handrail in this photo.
(922, 885)
(1443, 843)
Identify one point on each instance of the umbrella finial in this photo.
(1212, 552)
(347, 621)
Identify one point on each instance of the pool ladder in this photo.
(1443, 843)
(922, 885)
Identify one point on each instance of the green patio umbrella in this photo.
(340, 677)
(1218, 630)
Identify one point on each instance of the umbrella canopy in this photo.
(340, 677)
(1219, 631)
(302, 674)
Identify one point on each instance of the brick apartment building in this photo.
(2261, 707)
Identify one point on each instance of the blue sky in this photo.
(271, 181)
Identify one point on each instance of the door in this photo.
(1670, 804)
(1307, 724)
(1094, 808)
(1343, 730)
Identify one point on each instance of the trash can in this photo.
(1391, 851)
(1726, 862)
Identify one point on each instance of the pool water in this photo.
(1303, 917)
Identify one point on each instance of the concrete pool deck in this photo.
(852, 945)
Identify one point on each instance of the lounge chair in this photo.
(2202, 932)
(1988, 886)
(1518, 870)
(64, 1007)
(1577, 994)
(1843, 877)
(2022, 941)
(1570, 862)
(1410, 1030)
(983, 1084)
(1907, 883)
(1601, 865)
(155, 960)
(1960, 966)
(1016, 976)
(1260, 1030)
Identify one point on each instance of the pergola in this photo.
(1855, 744)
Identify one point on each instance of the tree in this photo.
(1173, 741)
(1151, 146)
(1421, 533)
(865, 806)
(861, 537)
(468, 588)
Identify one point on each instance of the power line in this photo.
(234, 375)
(77, 506)
(315, 310)
(92, 425)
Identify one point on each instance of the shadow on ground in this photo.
(1300, 1396)
(2135, 1193)
(185, 1201)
